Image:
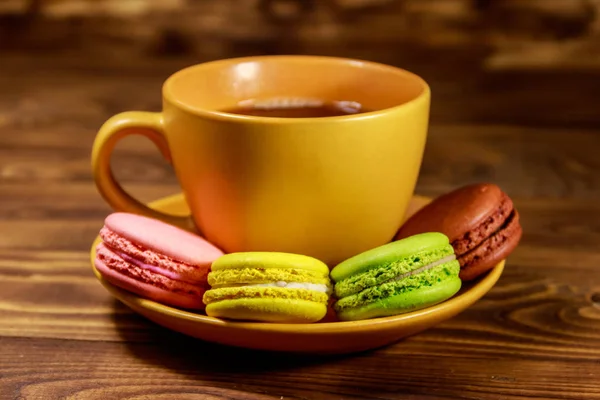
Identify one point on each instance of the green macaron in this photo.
(399, 277)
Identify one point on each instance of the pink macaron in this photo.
(155, 260)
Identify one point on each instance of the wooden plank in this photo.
(420, 368)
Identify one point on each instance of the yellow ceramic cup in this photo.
(326, 187)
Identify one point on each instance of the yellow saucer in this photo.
(323, 337)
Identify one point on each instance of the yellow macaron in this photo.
(269, 287)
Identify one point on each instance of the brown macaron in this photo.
(480, 220)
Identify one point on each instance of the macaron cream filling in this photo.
(270, 278)
(425, 268)
(157, 270)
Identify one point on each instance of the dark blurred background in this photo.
(515, 83)
(465, 48)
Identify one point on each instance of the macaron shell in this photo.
(269, 260)
(388, 253)
(493, 223)
(455, 213)
(153, 276)
(242, 276)
(163, 238)
(150, 291)
(234, 299)
(495, 249)
(268, 310)
(253, 292)
(168, 267)
(427, 278)
(379, 275)
(404, 302)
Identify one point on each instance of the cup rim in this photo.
(225, 116)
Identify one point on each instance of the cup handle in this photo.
(147, 124)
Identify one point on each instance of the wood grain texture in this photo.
(535, 133)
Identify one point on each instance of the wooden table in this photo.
(535, 335)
